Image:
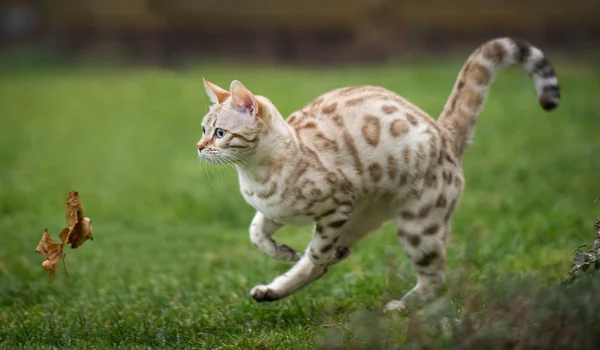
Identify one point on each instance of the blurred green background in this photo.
(171, 264)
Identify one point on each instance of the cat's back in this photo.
(369, 131)
(361, 107)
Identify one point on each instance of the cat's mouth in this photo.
(210, 158)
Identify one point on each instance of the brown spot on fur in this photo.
(392, 166)
(272, 190)
(406, 155)
(423, 212)
(352, 149)
(244, 138)
(398, 127)
(480, 74)
(427, 259)
(449, 159)
(325, 144)
(315, 156)
(273, 166)
(458, 182)
(449, 178)
(494, 52)
(327, 248)
(308, 125)
(414, 240)
(330, 108)
(403, 180)
(401, 232)
(315, 192)
(375, 172)
(432, 146)
(319, 229)
(459, 86)
(331, 177)
(431, 230)
(371, 130)
(420, 156)
(297, 172)
(472, 99)
(407, 215)
(411, 119)
(431, 181)
(325, 214)
(441, 202)
(389, 109)
(355, 101)
(337, 224)
(338, 120)
(291, 119)
(345, 184)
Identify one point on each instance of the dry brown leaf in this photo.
(80, 227)
(78, 230)
(53, 252)
(81, 233)
(75, 211)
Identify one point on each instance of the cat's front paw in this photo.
(263, 293)
(294, 257)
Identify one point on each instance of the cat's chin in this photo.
(209, 160)
(213, 160)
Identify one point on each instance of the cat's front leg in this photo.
(261, 231)
(299, 276)
(321, 253)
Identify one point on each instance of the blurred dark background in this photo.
(166, 32)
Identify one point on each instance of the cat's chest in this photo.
(273, 200)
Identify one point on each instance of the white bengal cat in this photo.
(355, 158)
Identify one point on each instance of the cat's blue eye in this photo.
(220, 133)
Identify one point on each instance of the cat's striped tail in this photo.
(470, 90)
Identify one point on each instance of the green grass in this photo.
(171, 264)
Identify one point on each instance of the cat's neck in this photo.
(276, 147)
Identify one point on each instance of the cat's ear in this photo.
(243, 99)
(215, 93)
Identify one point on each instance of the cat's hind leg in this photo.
(262, 230)
(424, 240)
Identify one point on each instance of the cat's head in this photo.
(234, 125)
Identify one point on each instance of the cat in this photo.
(354, 158)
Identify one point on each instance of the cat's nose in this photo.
(200, 147)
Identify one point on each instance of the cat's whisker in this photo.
(208, 174)
(244, 165)
(231, 161)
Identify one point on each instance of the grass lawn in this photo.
(172, 265)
